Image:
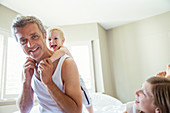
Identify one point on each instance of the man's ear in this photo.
(157, 110)
(63, 40)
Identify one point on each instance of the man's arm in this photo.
(25, 100)
(71, 100)
(59, 53)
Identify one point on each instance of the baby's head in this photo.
(55, 38)
(154, 97)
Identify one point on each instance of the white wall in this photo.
(137, 51)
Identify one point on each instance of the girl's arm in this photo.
(59, 53)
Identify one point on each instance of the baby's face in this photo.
(144, 99)
(55, 41)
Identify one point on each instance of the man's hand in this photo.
(28, 69)
(25, 100)
(45, 69)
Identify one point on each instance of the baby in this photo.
(55, 40)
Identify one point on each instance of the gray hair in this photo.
(21, 21)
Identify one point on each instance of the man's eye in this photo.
(35, 36)
(23, 41)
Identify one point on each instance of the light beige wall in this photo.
(81, 32)
(6, 17)
(137, 51)
(98, 66)
(107, 78)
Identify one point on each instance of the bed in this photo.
(102, 103)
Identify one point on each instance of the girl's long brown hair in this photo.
(161, 93)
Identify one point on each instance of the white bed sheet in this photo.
(102, 103)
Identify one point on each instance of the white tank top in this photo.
(46, 103)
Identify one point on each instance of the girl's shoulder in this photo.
(130, 107)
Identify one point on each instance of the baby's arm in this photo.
(67, 51)
(59, 53)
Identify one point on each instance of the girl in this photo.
(154, 97)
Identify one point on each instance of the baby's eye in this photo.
(55, 38)
(49, 39)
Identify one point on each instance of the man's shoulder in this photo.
(68, 61)
(64, 61)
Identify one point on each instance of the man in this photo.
(56, 84)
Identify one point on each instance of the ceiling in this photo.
(108, 13)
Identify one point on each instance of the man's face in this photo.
(55, 40)
(31, 40)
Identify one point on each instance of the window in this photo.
(82, 54)
(15, 61)
(12, 59)
(1, 53)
